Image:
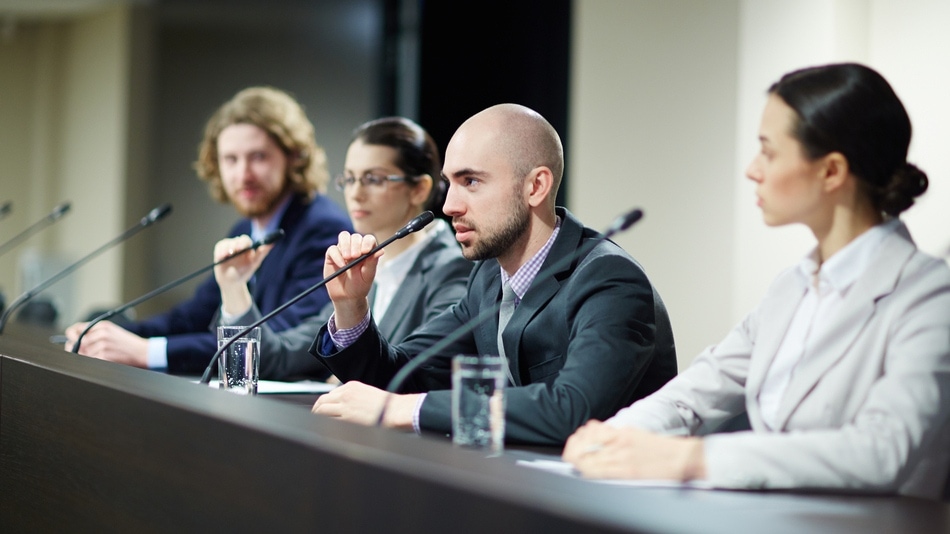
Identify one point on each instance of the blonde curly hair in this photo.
(282, 117)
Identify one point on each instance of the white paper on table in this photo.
(563, 468)
(273, 387)
(265, 387)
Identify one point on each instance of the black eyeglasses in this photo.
(367, 180)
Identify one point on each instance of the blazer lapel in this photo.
(372, 296)
(542, 290)
(402, 304)
(274, 262)
(775, 317)
(538, 295)
(856, 310)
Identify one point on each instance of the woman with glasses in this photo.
(391, 175)
(844, 367)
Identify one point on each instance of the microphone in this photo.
(152, 217)
(5, 210)
(155, 215)
(623, 222)
(416, 224)
(49, 219)
(619, 224)
(272, 237)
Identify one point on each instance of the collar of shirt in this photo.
(258, 232)
(845, 266)
(521, 280)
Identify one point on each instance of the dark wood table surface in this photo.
(87, 445)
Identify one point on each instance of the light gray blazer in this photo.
(867, 410)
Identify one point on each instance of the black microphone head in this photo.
(157, 214)
(272, 237)
(416, 224)
(626, 220)
(6, 208)
(60, 210)
(421, 221)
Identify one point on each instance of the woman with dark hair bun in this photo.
(852, 110)
(391, 175)
(843, 370)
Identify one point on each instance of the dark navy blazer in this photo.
(293, 265)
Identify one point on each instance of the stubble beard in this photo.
(500, 241)
(264, 207)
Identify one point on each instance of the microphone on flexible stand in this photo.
(49, 219)
(272, 237)
(619, 224)
(416, 224)
(5, 210)
(152, 217)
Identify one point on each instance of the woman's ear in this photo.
(420, 190)
(835, 171)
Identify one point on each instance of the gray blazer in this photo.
(436, 280)
(867, 410)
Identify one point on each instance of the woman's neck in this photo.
(845, 225)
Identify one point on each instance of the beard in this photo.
(263, 206)
(499, 240)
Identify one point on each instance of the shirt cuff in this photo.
(346, 337)
(157, 357)
(228, 319)
(415, 414)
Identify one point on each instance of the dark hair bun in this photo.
(906, 184)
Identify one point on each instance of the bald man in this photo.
(582, 342)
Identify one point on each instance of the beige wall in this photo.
(94, 130)
(653, 126)
(17, 56)
(910, 44)
(666, 101)
(65, 126)
(776, 37)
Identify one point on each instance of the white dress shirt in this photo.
(391, 274)
(827, 286)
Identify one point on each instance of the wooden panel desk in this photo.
(87, 445)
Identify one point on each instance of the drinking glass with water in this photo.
(478, 402)
(239, 365)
